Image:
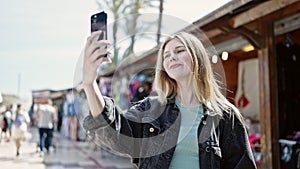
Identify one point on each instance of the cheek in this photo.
(165, 65)
(187, 60)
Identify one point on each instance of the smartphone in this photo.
(99, 22)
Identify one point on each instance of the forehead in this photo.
(172, 44)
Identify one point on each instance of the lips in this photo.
(174, 66)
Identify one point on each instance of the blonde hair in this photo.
(204, 84)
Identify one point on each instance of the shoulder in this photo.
(229, 116)
(24, 113)
(52, 108)
(148, 107)
(232, 118)
(146, 104)
(42, 107)
(232, 113)
(8, 113)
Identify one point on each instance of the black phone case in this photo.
(99, 22)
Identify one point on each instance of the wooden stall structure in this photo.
(263, 24)
(41, 96)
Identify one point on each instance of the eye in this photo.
(180, 50)
(166, 56)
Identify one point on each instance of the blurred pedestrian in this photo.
(8, 117)
(59, 116)
(21, 122)
(3, 125)
(46, 119)
(190, 124)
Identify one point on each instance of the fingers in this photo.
(98, 54)
(94, 52)
(92, 45)
(96, 58)
(92, 37)
(96, 46)
(101, 60)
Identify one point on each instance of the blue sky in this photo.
(42, 40)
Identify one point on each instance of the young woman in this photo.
(190, 124)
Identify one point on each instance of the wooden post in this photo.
(267, 90)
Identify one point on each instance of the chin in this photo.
(180, 77)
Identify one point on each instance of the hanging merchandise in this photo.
(105, 86)
(243, 101)
(247, 95)
(70, 99)
(73, 127)
(65, 120)
(141, 77)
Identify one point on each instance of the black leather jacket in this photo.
(148, 133)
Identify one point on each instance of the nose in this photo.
(172, 57)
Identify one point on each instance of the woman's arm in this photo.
(114, 130)
(104, 124)
(94, 98)
(93, 58)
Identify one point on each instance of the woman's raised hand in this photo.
(93, 57)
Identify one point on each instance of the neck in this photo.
(185, 96)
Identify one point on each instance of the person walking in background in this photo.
(59, 116)
(190, 124)
(46, 118)
(8, 117)
(21, 122)
(3, 125)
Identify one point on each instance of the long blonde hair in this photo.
(204, 84)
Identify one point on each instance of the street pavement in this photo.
(67, 154)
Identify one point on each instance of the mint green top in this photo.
(186, 152)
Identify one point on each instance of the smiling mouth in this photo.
(174, 66)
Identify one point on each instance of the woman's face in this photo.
(176, 60)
